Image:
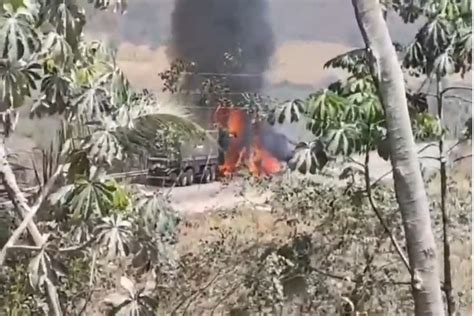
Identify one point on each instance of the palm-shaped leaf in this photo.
(343, 140)
(435, 36)
(414, 56)
(55, 94)
(18, 36)
(464, 50)
(17, 79)
(325, 105)
(426, 127)
(67, 17)
(444, 64)
(354, 61)
(57, 49)
(116, 82)
(156, 215)
(115, 234)
(92, 102)
(308, 158)
(372, 109)
(287, 112)
(86, 197)
(103, 147)
(409, 11)
(138, 300)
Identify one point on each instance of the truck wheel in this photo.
(183, 180)
(213, 174)
(190, 176)
(206, 176)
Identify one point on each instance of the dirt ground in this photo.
(200, 198)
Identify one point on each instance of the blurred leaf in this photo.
(287, 112)
(308, 158)
(17, 79)
(114, 234)
(86, 197)
(18, 35)
(354, 61)
(117, 5)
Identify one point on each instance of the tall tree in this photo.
(441, 48)
(409, 186)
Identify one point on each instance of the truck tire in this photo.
(183, 180)
(206, 176)
(213, 173)
(189, 174)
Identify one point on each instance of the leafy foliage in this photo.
(45, 61)
(443, 45)
(348, 116)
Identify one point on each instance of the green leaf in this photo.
(92, 103)
(17, 79)
(67, 18)
(463, 51)
(114, 234)
(288, 112)
(426, 127)
(86, 197)
(57, 49)
(308, 158)
(354, 61)
(343, 140)
(414, 56)
(325, 106)
(18, 35)
(444, 64)
(55, 95)
(156, 215)
(103, 147)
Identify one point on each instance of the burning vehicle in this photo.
(239, 142)
(191, 162)
(253, 144)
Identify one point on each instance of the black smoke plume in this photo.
(223, 36)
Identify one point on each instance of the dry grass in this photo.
(248, 224)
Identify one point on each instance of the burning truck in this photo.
(239, 142)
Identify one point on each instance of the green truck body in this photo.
(194, 162)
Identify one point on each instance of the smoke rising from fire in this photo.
(207, 31)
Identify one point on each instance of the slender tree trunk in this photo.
(409, 186)
(448, 284)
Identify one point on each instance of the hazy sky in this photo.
(148, 22)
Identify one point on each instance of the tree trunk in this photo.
(26, 213)
(409, 186)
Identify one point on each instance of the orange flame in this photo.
(253, 156)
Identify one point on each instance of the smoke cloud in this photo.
(205, 31)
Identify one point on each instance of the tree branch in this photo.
(16, 195)
(27, 213)
(368, 189)
(78, 247)
(446, 90)
(462, 158)
(31, 213)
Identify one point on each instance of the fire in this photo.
(245, 148)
